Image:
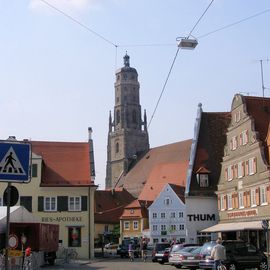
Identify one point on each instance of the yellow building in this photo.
(134, 220)
(61, 191)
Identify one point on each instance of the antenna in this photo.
(261, 64)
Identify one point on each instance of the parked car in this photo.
(122, 249)
(111, 245)
(240, 255)
(177, 253)
(191, 259)
(160, 252)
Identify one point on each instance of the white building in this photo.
(167, 215)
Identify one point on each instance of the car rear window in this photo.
(160, 247)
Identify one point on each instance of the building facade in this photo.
(61, 192)
(167, 215)
(128, 136)
(244, 186)
(203, 173)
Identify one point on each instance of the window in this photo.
(106, 228)
(154, 215)
(172, 214)
(234, 142)
(222, 202)
(117, 117)
(244, 135)
(34, 170)
(167, 201)
(155, 227)
(237, 116)
(252, 166)
(162, 215)
(253, 198)
(117, 147)
(134, 117)
(180, 214)
(74, 204)
(230, 173)
(203, 180)
(74, 236)
(50, 204)
(163, 227)
(126, 225)
(263, 199)
(173, 227)
(241, 199)
(135, 225)
(229, 200)
(240, 169)
(181, 227)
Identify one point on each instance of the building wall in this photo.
(131, 232)
(166, 215)
(65, 219)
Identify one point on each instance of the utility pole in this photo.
(262, 78)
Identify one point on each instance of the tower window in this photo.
(117, 117)
(134, 117)
(116, 147)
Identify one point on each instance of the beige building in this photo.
(244, 186)
(61, 191)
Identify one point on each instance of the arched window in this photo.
(134, 117)
(117, 117)
(116, 147)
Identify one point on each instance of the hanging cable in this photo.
(78, 22)
(171, 67)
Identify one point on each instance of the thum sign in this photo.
(202, 217)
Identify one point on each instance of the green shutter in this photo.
(84, 203)
(40, 204)
(26, 201)
(62, 203)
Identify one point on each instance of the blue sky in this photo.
(57, 78)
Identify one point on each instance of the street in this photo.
(111, 264)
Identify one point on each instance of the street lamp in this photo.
(187, 43)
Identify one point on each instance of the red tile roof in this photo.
(136, 209)
(109, 205)
(163, 164)
(259, 109)
(64, 163)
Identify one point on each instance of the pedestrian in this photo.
(131, 251)
(144, 250)
(218, 254)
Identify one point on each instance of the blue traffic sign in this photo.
(15, 161)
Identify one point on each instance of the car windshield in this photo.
(196, 250)
(176, 248)
(207, 247)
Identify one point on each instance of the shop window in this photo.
(34, 170)
(126, 225)
(263, 198)
(135, 225)
(50, 204)
(74, 204)
(154, 215)
(74, 236)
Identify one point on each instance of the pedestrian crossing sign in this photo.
(15, 161)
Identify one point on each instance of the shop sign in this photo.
(15, 253)
(61, 219)
(243, 214)
(202, 217)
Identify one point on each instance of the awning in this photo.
(236, 226)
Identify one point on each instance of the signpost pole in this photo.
(7, 226)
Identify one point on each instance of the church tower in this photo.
(128, 136)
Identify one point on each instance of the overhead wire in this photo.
(173, 62)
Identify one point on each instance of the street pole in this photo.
(7, 226)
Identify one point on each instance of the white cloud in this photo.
(65, 5)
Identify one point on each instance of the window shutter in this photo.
(243, 168)
(241, 139)
(268, 194)
(84, 203)
(226, 174)
(26, 201)
(247, 136)
(219, 208)
(233, 200)
(225, 202)
(257, 196)
(247, 171)
(248, 198)
(40, 204)
(236, 201)
(236, 173)
(62, 203)
(255, 164)
(245, 199)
